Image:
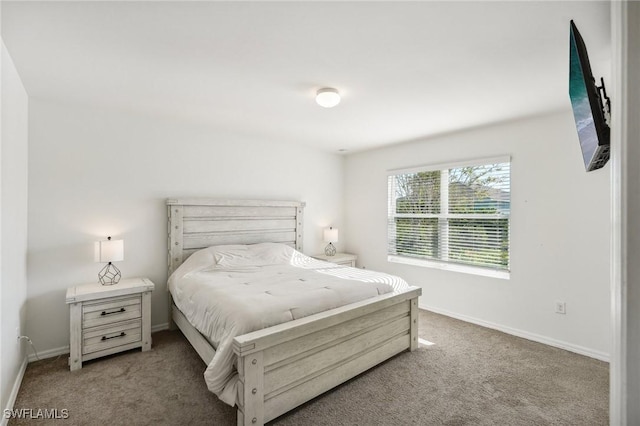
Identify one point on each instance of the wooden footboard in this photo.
(286, 365)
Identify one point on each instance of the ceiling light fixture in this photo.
(328, 97)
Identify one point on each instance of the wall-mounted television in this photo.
(587, 104)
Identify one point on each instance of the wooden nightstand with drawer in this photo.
(346, 259)
(108, 319)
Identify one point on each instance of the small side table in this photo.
(108, 319)
(346, 259)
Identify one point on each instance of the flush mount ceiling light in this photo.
(327, 97)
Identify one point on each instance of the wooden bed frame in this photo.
(283, 366)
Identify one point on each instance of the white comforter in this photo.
(227, 291)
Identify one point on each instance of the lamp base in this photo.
(109, 275)
(330, 250)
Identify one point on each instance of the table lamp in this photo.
(109, 251)
(330, 235)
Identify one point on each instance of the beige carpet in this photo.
(469, 376)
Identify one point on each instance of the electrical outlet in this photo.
(561, 308)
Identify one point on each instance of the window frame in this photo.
(443, 219)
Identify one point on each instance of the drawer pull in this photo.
(113, 337)
(113, 312)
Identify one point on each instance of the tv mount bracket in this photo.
(605, 102)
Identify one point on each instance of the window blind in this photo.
(457, 214)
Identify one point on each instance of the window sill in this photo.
(474, 270)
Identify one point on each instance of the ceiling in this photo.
(406, 70)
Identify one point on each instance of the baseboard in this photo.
(602, 356)
(160, 327)
(14, 391)
(49, 353)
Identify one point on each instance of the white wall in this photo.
(13, 224)
(559, 232)
(98, 172)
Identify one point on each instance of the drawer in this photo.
(111, 310)
(110, 336)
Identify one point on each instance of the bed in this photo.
(285, 365)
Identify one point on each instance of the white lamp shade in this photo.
(327, 97)
(110, 251)
(331, 235)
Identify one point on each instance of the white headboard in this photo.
(196, 223)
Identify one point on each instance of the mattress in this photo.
(228, 291)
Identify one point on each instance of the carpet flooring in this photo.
(470, 375)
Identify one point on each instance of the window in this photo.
(450, 215)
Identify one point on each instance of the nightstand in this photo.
(108, 319)
(346, 259)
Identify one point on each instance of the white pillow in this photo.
(263, 254)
